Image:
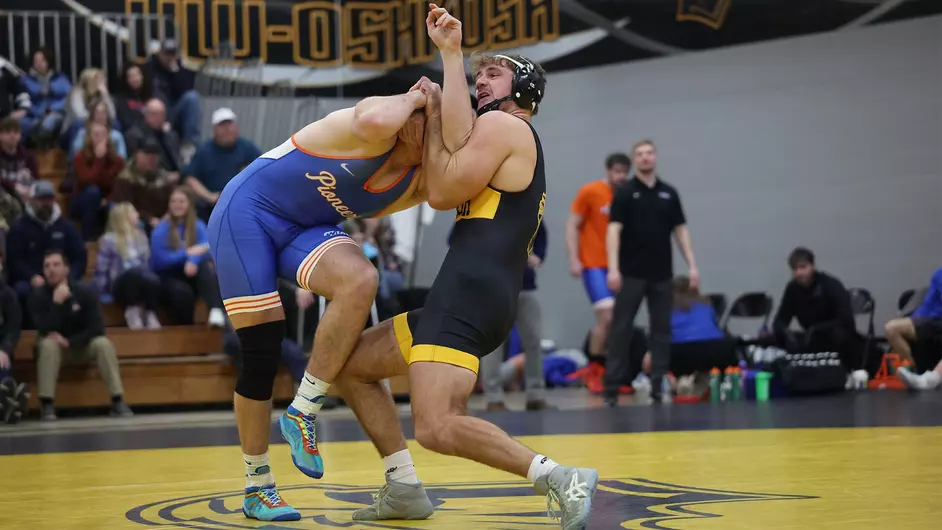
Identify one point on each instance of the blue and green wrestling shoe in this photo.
(265, 504)
(298, 430)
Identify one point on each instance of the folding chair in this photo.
(862, 303)
(909, 301)
(719, 303)
(749, 305)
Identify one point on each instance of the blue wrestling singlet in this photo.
(281, 214)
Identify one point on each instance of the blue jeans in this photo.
(85, 207)
(47, 125)
(186, 116)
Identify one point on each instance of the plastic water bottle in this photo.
(736, 385)
(715, 385)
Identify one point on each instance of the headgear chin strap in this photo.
(526, 89)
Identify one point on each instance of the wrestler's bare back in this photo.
(334, 136)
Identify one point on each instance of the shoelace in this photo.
(271, 497)
(551, 498)
(380, 494)
(308, 422)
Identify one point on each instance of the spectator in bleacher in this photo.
(41, 230)
(92, 88)
(14, 99)
(133, 93)
(180, 256)
(156, 128)
(11, 318)
(68, 319)
(13, 395)
(821, 305)
(17, 164)
(218, 160)
(17, 171)
(174, 85)
(122, 270)
(99, 115)
(145, 184)
(96, 168)
(48, 90)
(923, 329)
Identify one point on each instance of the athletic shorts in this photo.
(252, 247)
(436, 336)
(929, 329)
(596, 285)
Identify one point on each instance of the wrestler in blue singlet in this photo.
(281, 214)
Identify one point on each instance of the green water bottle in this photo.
(715, 385)
(735, 379)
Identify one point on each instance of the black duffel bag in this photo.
(805, 374)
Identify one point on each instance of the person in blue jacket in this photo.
(697, 342)
(48, 90)
(180, 257)
(923, 328)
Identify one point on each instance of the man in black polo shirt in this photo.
(645, 213)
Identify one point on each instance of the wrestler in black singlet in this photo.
(472, 305)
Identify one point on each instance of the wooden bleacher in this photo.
(175, 365)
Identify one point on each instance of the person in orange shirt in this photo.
(585, 238)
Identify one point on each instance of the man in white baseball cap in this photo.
(223, 115)
(218, 160)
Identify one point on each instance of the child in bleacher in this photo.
(122, 270)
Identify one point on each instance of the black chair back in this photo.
(910, 299)
(749, 305)
(905, 298)
(862, 303)
(719, 303)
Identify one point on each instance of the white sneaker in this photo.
(925, 381)
(151, 321)
(132, 315)
(217, 318)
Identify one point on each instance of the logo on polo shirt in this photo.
(664, 195)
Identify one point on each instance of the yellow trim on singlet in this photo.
(482, 206)
(443, 354)
(403, 334)
(429, 352)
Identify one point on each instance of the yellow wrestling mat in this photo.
(751, 479)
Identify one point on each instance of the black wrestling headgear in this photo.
(527, 88)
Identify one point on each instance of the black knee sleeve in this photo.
(261, 353)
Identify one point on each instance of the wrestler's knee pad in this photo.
(261, 353)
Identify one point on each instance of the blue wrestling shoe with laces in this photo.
(265, 504)
(298, 430)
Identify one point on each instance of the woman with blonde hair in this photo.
(122, 270)
(91, 86)
(180, 255)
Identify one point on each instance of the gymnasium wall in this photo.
(832, 141)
